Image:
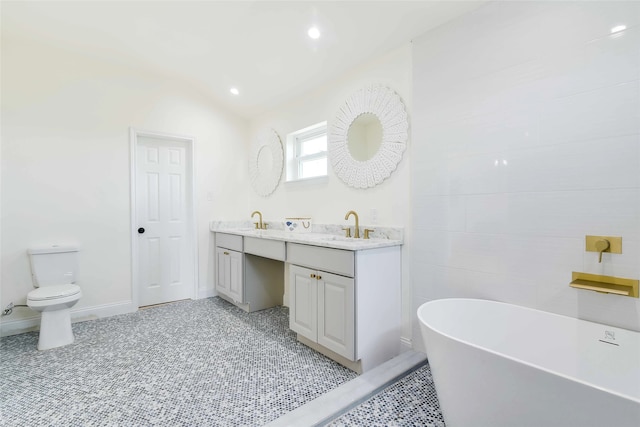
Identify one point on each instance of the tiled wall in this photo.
(526, 138)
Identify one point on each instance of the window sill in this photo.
(303, 181)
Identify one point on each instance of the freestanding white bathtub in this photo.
(497, 364)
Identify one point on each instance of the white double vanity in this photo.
(343, 293)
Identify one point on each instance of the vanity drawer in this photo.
(332, 260)
(274, 249)
(229, 241)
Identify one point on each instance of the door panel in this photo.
(150, 260)
(224, 271)
(230, 274)
(175, 255)
(304, 298)
(336, 313)
(153, 198)
(236, 283)
(176, 197)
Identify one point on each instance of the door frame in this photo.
(134, 134)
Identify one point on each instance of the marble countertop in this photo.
(323, 239)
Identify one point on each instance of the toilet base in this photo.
(55, 329)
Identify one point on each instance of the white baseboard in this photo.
(18, 326)
(206, 293)
(32, 322)
(104, 310)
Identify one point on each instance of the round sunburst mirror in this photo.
(265, 162)
(368, 136)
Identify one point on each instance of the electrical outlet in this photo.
(8, 309)
(374, 215)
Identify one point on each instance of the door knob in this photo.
(140, 230)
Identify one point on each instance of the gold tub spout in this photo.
(605, 284)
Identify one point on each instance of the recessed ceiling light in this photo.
(314, 32)
(234, 90)
(618, 28)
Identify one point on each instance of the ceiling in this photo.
(260, 47)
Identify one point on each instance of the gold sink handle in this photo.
(602, 246)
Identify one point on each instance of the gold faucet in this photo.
(259, 224)
(356, 234)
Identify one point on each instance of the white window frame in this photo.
(295, 160)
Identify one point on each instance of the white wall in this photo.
(66, 159)
(546, 88)
(327, 201)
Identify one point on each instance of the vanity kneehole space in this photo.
(251, 282)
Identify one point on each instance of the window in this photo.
(307, 153)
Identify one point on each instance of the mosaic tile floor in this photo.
(191, 363)
(411, 401)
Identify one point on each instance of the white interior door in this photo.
(163, 208)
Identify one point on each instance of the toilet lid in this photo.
(54, 291)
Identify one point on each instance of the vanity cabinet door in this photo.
(223, 263)
(229, 278)
(236, 282)
(336, 313)
(322, 309)
(303, 302)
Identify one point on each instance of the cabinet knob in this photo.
(313, 276)
(319, 277)
(226, 253)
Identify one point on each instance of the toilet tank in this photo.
(53, 265)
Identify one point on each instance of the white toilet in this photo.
(54, 274)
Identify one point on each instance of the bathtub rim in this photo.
(530, 364)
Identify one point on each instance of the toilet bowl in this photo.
(53, 270)
(54, 303)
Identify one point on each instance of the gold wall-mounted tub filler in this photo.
(600, 244)
(605, 284)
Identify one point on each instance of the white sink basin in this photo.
(336, 238)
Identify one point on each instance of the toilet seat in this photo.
(53, 292)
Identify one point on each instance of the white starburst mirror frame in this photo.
(368, 170)
(266, 160)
